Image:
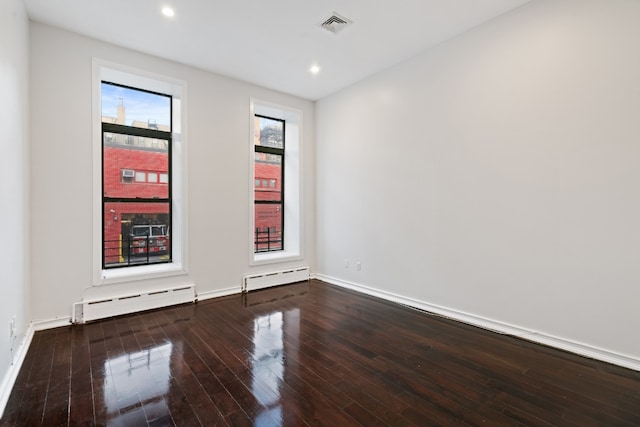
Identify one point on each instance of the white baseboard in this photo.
(41, 325)
(493, 325)
(12, 373)
(201, 296)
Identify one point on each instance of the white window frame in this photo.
(128, 76)
(293, 236)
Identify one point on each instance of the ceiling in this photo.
(274, 43)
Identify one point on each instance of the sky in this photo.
(139, 105)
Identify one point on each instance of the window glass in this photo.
(268, 162)
(134, 107)
(264, 191)
(136, 233)
(269, 231)
(270, 132)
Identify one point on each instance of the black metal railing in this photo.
(267, 240)
(137, 251)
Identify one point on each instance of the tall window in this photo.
(269, 146)
(136, 176)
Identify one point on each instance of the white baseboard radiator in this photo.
(275, 278)
(88, 310)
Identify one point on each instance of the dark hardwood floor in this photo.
(308, 354)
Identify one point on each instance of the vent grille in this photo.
(335, 23)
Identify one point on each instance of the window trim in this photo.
(128, 76)
(292, 184)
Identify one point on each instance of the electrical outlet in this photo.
(12, 327)
(346, 263)
(358, 266)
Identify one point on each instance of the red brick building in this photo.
(135, 172)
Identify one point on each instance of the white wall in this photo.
(14, 184)
(218, 171)
(497, 175)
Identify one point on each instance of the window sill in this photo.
(275, 257)
(130, 274)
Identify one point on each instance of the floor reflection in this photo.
(269, 361)
(140, 381)
(268, 365)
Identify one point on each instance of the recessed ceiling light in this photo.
(315, 69)
(167, 11)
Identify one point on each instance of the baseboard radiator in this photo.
(88, 310)
(265, 280)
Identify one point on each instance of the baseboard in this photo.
(201, 296)
(12, 373)
(41, 325)
(493, 325)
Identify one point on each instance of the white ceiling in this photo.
(273, 43)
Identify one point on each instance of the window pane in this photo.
(137, 108)
(267, 171)
(124, 174)
(136, 233)
(268, 224)
(269, 132)
(131, 141)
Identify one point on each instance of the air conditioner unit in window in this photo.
(128, 173)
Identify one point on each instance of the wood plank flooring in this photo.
(308, 354)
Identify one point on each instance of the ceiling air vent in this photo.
(335, 23)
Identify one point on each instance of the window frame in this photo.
(265, 182)
(103, 70)
(134, 131)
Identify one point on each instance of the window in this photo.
(168, 255)
(137, 214)
(269, 146)
(275, 182)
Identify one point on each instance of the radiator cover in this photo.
(124, 304)
(275, 278)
